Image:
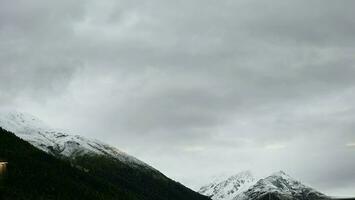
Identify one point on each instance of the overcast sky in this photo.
(195, 88)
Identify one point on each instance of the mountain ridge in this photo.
(230, 187)
(278, 185)
(56, 141)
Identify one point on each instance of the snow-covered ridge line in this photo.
(244, 186)
(229, 188)
(58, 142)
(279, 185)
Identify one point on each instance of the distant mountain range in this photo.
(46, 163)
(243, 186)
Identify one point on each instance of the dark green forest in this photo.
(33, 174)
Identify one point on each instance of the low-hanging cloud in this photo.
(220, 86)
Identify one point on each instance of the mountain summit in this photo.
(229, 188)
(279, 185)
(243, 186)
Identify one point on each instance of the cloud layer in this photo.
(220, 86)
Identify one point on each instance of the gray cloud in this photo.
(219, 86)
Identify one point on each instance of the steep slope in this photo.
(33, 174)
(104, 163)
(280, 186)
(229, 188)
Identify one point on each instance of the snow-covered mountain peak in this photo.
(230, 187)
(281, 186)
(56, 141)
(282, 181)
(244, 186)
(21, 123)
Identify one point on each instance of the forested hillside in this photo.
(33, 174)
